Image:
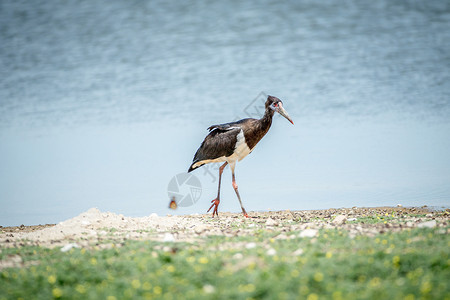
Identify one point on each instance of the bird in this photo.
(232, 142)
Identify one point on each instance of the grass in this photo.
(411, 264)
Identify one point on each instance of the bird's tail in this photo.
(193, 167)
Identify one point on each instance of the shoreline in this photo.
(94, 227)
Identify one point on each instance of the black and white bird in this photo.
(231, 142)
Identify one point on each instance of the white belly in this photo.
(241, 150)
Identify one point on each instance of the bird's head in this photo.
(276, 104)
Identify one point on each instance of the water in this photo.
(102, 103)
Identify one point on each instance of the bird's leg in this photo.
(235, 186)
(215, 202)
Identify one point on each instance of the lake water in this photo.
(103, 102)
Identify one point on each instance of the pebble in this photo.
(271, 222)
(271, 252)
(209, 289)
(67, 247)
(429, 224)
(298, 252)
(308, 233)
(250, 245)
(339, 220)
(15, 259)
(168, 237)
(200, 228)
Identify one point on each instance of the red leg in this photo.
(235, 186)
(215, 202)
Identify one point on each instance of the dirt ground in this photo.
(94, 228)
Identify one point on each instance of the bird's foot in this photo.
(215, 204)
(245, 213)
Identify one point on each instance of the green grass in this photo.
(385, 218)
(412, 264)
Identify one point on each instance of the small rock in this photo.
(429, 224)
(85, 222)
(238, 256)
(69, 246)
(298, 252)
(271, 252)
(209, 289)
(168, 237)
(308, 233)
(339, 220)
(250, 245)
(15, 259)
(200, 228)
(271, 222)
(399, 205)
(154, 215)
(351, 219)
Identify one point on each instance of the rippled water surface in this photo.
(103, 102)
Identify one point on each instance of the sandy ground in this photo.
(97, 229)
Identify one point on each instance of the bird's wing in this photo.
(228, 126)
(218, 143)
(223, 127)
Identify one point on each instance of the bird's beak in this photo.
(282, 112)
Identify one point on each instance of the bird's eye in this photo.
(275, 104)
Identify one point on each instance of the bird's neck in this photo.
(266, 120)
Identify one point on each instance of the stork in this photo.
(231, 142)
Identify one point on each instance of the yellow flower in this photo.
(171, 269)
(396, 259)
(375, 282)
(57, 293)
(80, 289)
(318, 277)
(146, 286)
(426, 287)
(312, 297)
(136, 283)
(93, 261)
(190, 259)
(203, 260)
(51, 279)
(409, 297)
(337, 295)
(157, 290)
(329, 254)
(111, 298)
